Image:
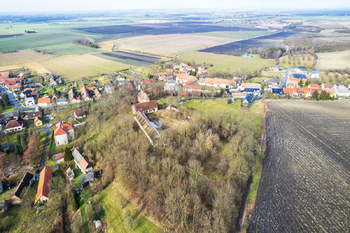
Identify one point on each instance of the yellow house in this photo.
(38, 121)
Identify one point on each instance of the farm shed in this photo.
(44, 185)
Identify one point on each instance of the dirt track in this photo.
(305, 185)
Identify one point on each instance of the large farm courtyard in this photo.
(305, 185)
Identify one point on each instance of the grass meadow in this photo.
(9, 59)
(222, 62)
(77, 66)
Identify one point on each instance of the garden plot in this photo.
(305, 182)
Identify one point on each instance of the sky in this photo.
(107, 5)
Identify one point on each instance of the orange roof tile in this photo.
(15, 86)
(44, 184)
(44, 100)
(314, 86)
(62, 128)
(192, 87)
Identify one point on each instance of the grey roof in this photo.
(77, 156)
(24, 183)
(343, 90)
(87, 178)
(31, 115)
(1, 188)
(61, 100)
(201, 80)
(10, 114)
(108, 85)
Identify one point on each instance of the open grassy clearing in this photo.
(7, 59)
(238, 35)
(77, 66)
(37, 67)
(168, 45)
(67, 49)
(114, 214)
(11, 67)
(217, 105)
(222, 62)
(334, 60)
(299, 60)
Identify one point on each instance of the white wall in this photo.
(61, 139)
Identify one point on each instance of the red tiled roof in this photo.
(192, 87)
(314, 86)
(327, 85)
(12, 124)
(145, 106)
(44, 184)
(83, 164)
(15, 86)
(62, 128)
(290, 91)
(4, 75)
(59, 156)
(44, 100)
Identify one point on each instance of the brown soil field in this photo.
(166, 45)
(305, 184)
(334, 60)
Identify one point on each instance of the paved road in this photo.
(286, 76)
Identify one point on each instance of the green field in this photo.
(78, 66)
(114, 215)
(67, 49)
(222, 62)
(239, 35)
(218, 105)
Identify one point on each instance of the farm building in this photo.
(63, 133)
(240, 95)
(315, 74)
(256, 86)
(80, 162)
(181, 78)
(142, 97)
(219, 82)
(14, 126)
(303, 76)
(147, 107)
(44, 185)
(191, 88)
(84, 93)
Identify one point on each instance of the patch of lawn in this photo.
(253, 190)
(217, 105)
(7, 194)
(114, 214)
(10, 108)
(9, 138)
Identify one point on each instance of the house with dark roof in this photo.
(89, 177)
(147, 107)
(80, 162)
(44, 185)
(32, 115)
(63, 133)
(79, 113)
(14, 126)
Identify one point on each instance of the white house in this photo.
(63, 133)
(80, 162)
(61, 101)
(342, 92)
(219, 82)
(29, 101)
(315, 74)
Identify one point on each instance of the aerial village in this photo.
(37, 107)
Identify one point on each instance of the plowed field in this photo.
(305, 185)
